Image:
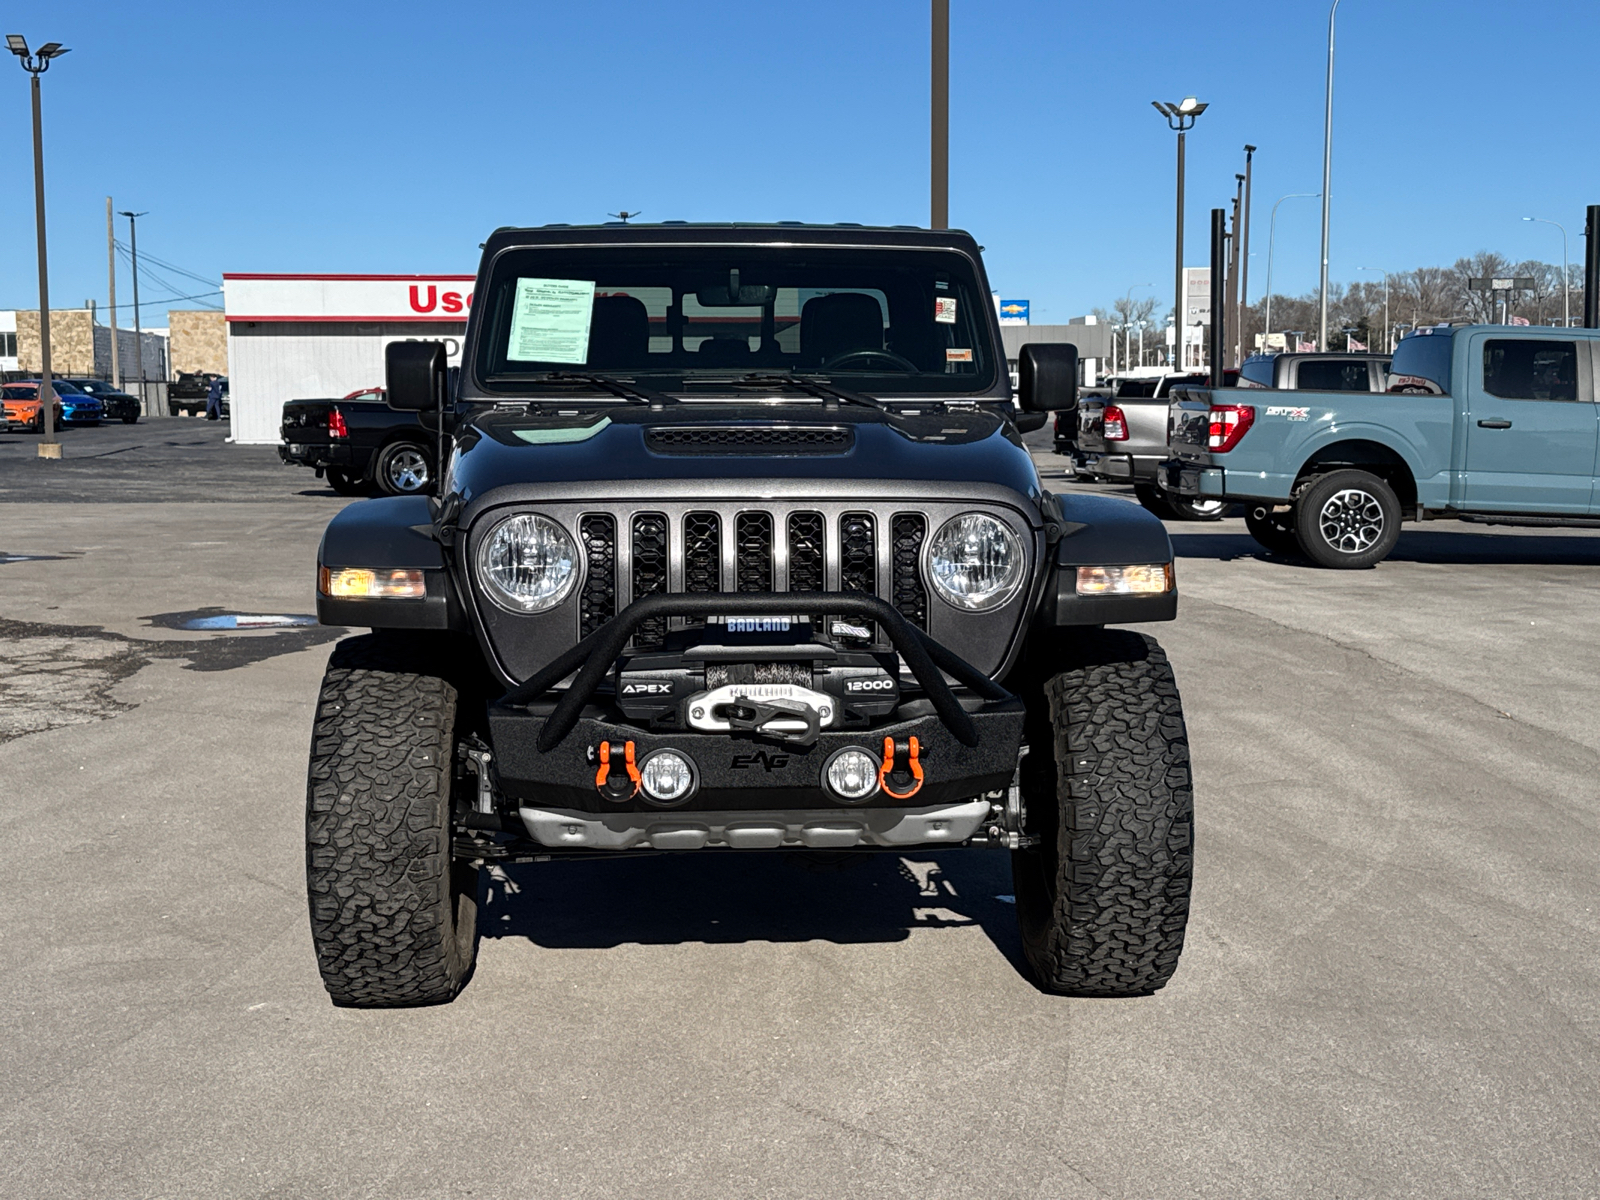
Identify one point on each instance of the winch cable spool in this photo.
(593, 657)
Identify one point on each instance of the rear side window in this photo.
(1257, 370)
(1315, 376)
(1523, 369)
(1422, 364)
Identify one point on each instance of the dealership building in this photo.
(305, 337)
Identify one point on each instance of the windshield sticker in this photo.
(958, 356)
(562, 436)
(550, 320)
(944, 310)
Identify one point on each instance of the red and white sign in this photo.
(347, 298)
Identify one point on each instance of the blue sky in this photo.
(393, 137)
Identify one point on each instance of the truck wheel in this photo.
(394, 917)
(1103, 898)
(403, 469)
(1154, 501)
(1347, 519)
(342, 483)
(1274, 531)
(1198, 508)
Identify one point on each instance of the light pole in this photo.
(1272, 237)
(1327, 181)
(1180, 119)
(1566, 284)
(939, 123)
(1388, 347)
(138, 332)
(1244, 252)
(36, 64)
(1141, 345)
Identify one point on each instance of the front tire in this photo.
(404, 469)
(130, 420)
(394, 917)
(1347, 520)
(1103, 898)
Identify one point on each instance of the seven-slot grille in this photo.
(755, 550)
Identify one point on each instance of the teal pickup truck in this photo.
(1488, 423)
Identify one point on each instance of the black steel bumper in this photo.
(312, 454)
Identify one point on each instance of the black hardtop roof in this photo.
(733, 233)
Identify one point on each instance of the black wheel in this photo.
(342, 483)
(1154, 500)
(404, 469)
(1103, 899)
(1273, 530)
(133, 420)
(1347, 519)
(394, 917)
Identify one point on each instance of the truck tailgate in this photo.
(1189, 425)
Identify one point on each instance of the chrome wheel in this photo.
(1351, 521)
(407, 470)
(1201, 510)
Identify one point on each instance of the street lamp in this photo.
(1566, 284)
(1272, 236)
(36, 64)
(1327, 182)
(1180, 119)
(1388, 347)
(138, 332)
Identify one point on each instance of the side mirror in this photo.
(1047, 377)
(415, 375)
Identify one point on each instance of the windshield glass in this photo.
(870, 320)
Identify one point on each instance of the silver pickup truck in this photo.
(1123, 439)
(1316, 372)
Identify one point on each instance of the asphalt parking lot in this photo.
(1391, 985)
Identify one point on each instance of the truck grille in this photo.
(791, 551)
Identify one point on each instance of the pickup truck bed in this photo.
(359, 444)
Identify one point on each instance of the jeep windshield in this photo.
(674, 318)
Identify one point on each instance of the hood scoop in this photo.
(750, 439)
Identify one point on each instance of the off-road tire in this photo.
(1153, 501)
(389, 478)
(1347, 520)
(343, 484)
(393, 916)
(1103, 899)
(1274, 532)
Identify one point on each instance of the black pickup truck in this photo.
(360, 444)
(739, 550)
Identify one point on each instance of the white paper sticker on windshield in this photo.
(958, 355)
(944, 310)
(550, 321)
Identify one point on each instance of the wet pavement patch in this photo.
(215, 620)
(14, 558)
(56, 675)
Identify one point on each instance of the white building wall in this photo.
(270, 362)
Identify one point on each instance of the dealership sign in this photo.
(347, 297)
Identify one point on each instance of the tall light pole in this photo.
(1327, 183)
(138, 331)
(1180, 119)
(1272, 238)
(940, 122)
(36, 64)
(1244, 252)
(1566, 284)
(1388, 348)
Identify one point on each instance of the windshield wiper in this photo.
(619, 388)
(812, 385)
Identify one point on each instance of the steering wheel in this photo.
(898, 361)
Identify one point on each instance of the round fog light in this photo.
(852, 774)
(666, 777)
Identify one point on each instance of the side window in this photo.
(1333, 377)
(1524, 369)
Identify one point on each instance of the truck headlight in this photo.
(975, 562)
(528, 563)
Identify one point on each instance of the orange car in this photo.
(20, 403)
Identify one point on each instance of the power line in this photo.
(151, 258)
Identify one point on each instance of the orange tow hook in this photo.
(912, 764)
(616, 790)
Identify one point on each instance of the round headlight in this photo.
(528, 563)
(666, 777)
(975, 562)
(852, 774)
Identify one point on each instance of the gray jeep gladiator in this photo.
(738, 549)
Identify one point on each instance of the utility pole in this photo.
(111, 279)
(138, 329)
(1244, 254)
(940, 123)
(36, 64)
(1230, 325)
